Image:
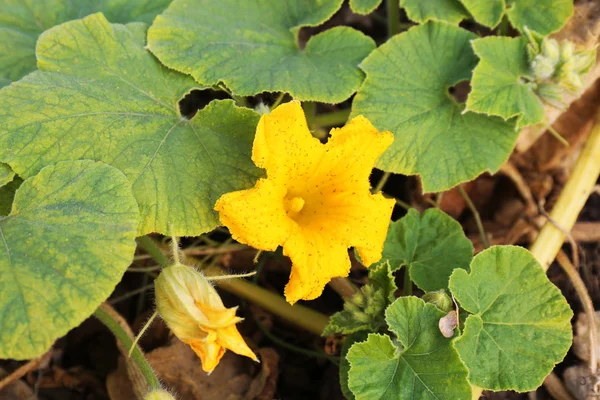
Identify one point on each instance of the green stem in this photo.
(407, 282)
(403, 204)
(382, 182)
(310, 110)
(476, 215)
(332, 119)
(146, 243)
(278, 100)
(393, 17)
(240, 101)
(570, 202)
(127, 342)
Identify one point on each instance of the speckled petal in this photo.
(231, 339)
(256, 216)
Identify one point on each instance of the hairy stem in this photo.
(382, 181)
(332, 119)
(393, 17)
(109, 317)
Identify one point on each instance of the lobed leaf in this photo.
(407, 92)
(6, 174)
(254, 47)
(488, 13)
(519, 327)
(424, 367)
(499, 84)
(345, 364)
(22, 21)
(99, 94)
(541, 16)
(420, 11)
(364, 6)
(63, 248)
(431, 245)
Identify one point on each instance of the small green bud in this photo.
(543, 67)
(159, 394)
(352, 308)
(362, 317)
(440, 299)
(551, 49)
(359, 299)
(551, 94)
(584, 61)
(262, 109)
(566, 50)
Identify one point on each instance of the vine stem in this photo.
(475, 213)
(113, 321)
(570, 202)
(382, 181)
(304, 317)
(332, 119)
(393, 17)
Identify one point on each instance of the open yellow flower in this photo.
(193, 310)
(316, 200)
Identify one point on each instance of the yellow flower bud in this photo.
(159, 394)
(193, 310)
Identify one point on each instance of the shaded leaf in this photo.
(425, 367)
(345, 364)
(431, 244)
(520, 324)
(228, 41)
(68, 110)
(407, 92)
(364, 310)
(420, 11)
(22, 21)
(500, 81)
(488, 13)
(65, 245)
(364, 6)
(6, 174)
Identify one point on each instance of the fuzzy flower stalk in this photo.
(193, 310)
(315, 200)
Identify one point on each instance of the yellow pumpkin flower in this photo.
(193, 310)
(315, 201)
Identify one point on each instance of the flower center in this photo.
(294, 204)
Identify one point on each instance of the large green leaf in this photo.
(364, 310)
(65, 245)
(6, 174)
(520, 323)
(542, 16)
(22, 21)
(364, 6)
(406, 92)
(420, 11)
(431, 244)
(498, 83)
(100, 95)
(488, 12)
(253, 47)
(425, 367)
(345, 364)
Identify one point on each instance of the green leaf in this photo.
(499, 84)
(253, 47)
(488, 12)
(406, 92)
(364, 310)
(431, 244)
(420, 11)
(100, 95)
(7, 193)
(424, 367)
(541, 16)
(520, 324)
(63, 248)
(364, 6)
(6, 174)
(22, 21)
(345, 364)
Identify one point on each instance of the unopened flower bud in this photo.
(193, 310)
(440, 299)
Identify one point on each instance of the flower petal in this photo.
(231, 339)
(315, 259)
(209, 351)
(284, 146)
(256, 216)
